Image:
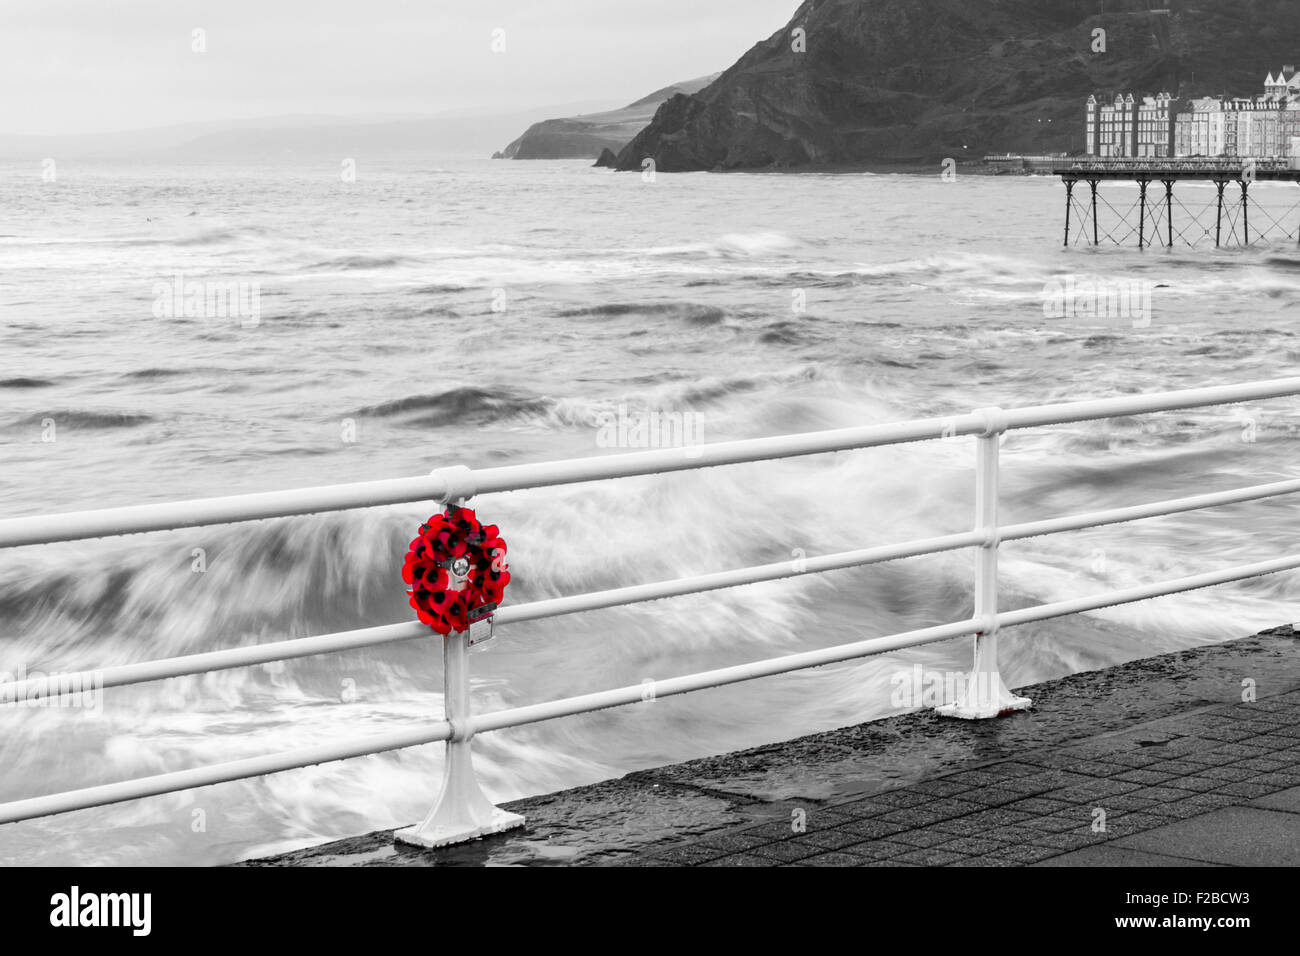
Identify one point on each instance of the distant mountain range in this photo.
(917, 81)
(296, 138)
(588, 136)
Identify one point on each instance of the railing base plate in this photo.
(433, 837)
(1001, 708)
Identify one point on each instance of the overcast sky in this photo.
(80, 66)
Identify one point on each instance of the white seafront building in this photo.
(1266, 126)
(1130, 127)
(1202, 130)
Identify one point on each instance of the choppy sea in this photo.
(444, 312)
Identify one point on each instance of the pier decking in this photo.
(1188, 759)
(1156, 215)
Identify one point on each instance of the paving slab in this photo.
(1112, 855)
(1231, 836)
(1287, 800)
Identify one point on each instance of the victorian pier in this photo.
(1160, 217)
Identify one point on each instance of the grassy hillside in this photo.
(916, 81)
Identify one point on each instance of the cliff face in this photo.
(585, 137)
(916, 81)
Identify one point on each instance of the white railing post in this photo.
(462, 812)
(985, 695)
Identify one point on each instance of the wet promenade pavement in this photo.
(1188, 759)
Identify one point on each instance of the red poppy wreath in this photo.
(456, 570)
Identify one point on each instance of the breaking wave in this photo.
(88, 419)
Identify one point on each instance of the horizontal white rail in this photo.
(80, 525)
(679, 587)
(422, 733)
(1124, 406)
(1155, 509)
(460, 482)
(57, 685)
(456, 483)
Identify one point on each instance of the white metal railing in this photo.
(1223, 164)
(461, 811)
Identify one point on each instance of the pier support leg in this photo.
(1095, 240)
(1169, 209)
(1142, 215)
(985, 695)
(1218, 220)
(1069, 202)
(461, 812)
(1245, 211)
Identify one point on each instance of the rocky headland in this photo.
(917, 81)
